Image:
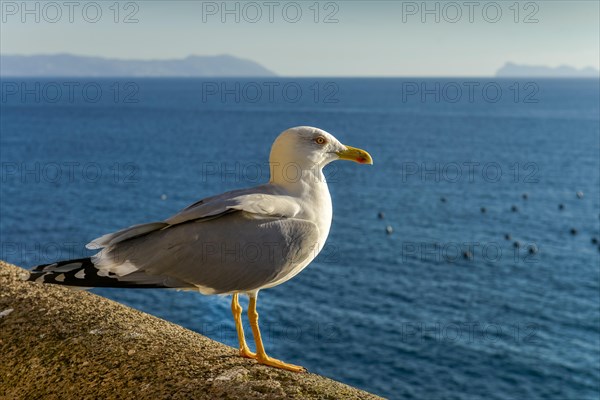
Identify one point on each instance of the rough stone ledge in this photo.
(57, 343)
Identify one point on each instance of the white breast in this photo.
(316, 207)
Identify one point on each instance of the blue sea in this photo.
(432, 299)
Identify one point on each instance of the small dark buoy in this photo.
(516, 244)
(579, 194)
(389, 230)
(533, 249)
(573, 231)
(507, 236)
(467, 255)
(483, 210)
(525, 196)
(514, 209)
(443, 199)
(561, 206)
(380, 215)
(594, 240)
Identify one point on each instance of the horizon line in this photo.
(293, 76)
(221, 77)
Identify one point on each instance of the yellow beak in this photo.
(354, 154)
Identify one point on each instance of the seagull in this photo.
(237, 243)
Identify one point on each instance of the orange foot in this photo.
(246, 353)
(272, 362)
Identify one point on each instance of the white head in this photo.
(310, 149)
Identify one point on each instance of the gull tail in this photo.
(83, 273)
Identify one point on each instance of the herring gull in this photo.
(238, 242)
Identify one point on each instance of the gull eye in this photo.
(320, 140)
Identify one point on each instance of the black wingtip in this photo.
(83, 273)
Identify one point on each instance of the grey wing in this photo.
(259, 200)
(235, 252)
(206, 208)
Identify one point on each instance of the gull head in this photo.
(309, 147)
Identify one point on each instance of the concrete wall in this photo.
(58, 343)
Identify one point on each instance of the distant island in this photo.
(511, 70)
(68, 65)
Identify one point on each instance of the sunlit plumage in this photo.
(236, 242)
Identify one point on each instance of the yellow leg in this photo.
(236, 309)
(261, 355)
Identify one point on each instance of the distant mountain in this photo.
(511, 70)
(63, 65)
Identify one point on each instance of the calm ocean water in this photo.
(443, 308)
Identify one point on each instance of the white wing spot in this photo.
(60, 278)
(40, 279)
(80, 274)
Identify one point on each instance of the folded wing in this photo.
(238, 241)
(260, 201)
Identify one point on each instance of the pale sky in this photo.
(379, 38)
